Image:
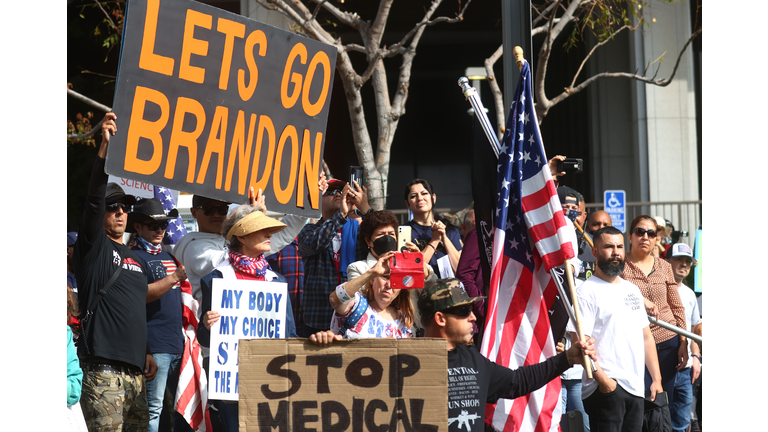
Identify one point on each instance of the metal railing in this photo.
(684, 215)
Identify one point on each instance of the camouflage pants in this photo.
(114, 401)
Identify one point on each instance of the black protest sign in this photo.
(211, 102)
(356, 385)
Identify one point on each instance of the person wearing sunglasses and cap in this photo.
(656, 281)
(114, 354)
(446, 313)
(164, 312)
(248, 232)
(203, 250)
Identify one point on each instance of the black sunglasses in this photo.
(114, 206)
(332, 192)
(460, 311)
(209, 210)
(153, 226)
(641, 232)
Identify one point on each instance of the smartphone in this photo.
(570, 165)
(356, 175)
(403, 235)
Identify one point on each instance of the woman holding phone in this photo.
(436, 239)
(379, 232)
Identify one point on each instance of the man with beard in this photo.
(613, 313)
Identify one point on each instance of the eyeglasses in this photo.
(209, 210)
(114, 206)
(153, 226)
(332, 192)
(641, 232)
(460, 311)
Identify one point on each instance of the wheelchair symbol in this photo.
(613, 201)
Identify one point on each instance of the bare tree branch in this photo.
(662, 82)
(594, 48)
(350, 19)
(498, 98)
(543, 13)
(355, 48)
(427, 22)
(119, 31)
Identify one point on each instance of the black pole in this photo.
(516, 28)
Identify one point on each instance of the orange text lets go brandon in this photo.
(305, 154)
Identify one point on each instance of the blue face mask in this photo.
(384, 244)
(572, 214)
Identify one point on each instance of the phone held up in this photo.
(570, 165)
(403, 236)
(356, 174)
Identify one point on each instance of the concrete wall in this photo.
(643, 137)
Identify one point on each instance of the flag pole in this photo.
(477, 105)
(581, 230)
(577, 322)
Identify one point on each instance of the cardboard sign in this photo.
(249, 310)
(211, 102)
(353, 385)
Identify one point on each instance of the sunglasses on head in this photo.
(332, 192)
(641, 232)
(153, 226)
(114, 206)
(209, 210)
(460, 311)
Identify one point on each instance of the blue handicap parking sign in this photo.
(616, 207)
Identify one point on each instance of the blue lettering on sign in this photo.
(277, 302)
(615, 206)
(269, 302)
(223, 357)
(252, 300)
(260, 301)
(223, 384)
(238, 294)
(227, 323)
(226, 299)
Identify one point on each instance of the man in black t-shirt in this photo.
(164, 308)
(114, 353)
(473, 380)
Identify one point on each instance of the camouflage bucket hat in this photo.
(442, 295)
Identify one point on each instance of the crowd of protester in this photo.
(124, 303)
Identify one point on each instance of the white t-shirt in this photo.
(692, 316)
(614, 314)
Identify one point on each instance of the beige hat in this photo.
(253, 222)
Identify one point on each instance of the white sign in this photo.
(615, 204)
(249, 310)
(139, 189)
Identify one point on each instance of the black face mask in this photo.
(384, 244)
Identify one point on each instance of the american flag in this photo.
(176, 228)
(530, 237)
(192, 390)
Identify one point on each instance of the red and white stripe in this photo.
(517, 325)
(543, 213)
(192, 391)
